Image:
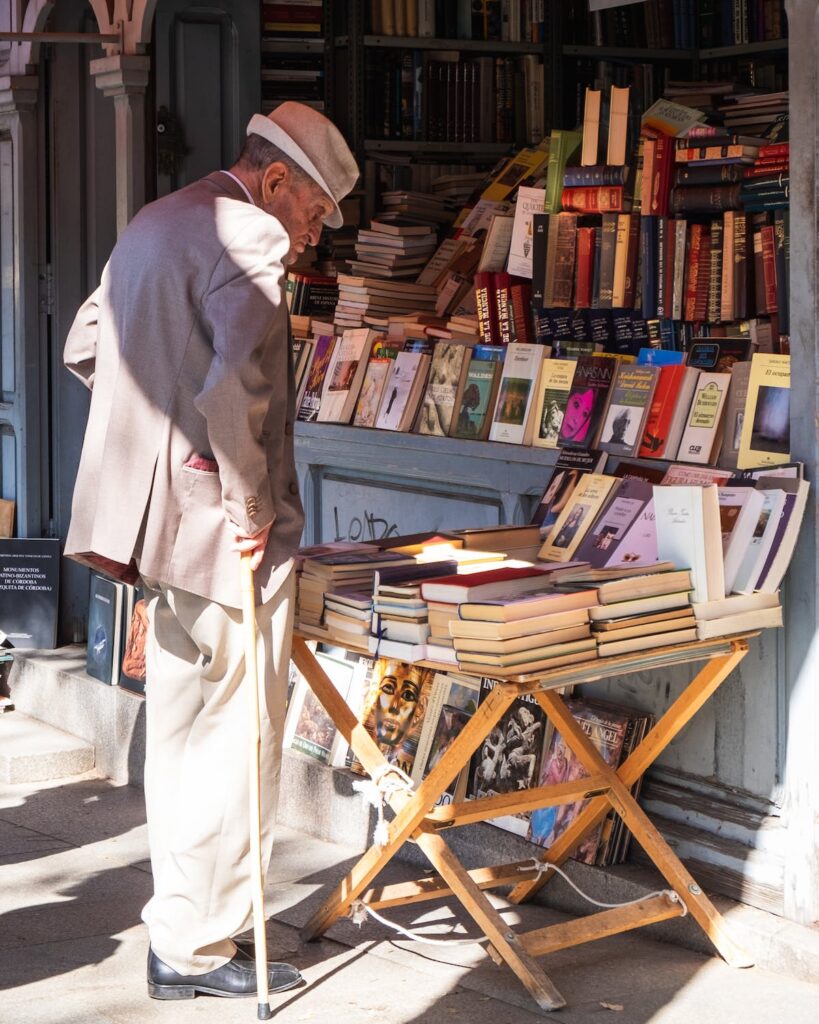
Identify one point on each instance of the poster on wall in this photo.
(29, 592)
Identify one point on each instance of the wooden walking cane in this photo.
(254, 760)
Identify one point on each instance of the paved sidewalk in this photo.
(75, 876)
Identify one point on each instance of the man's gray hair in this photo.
(257, 154)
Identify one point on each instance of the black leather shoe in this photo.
(235, 979)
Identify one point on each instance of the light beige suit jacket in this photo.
(185, 346)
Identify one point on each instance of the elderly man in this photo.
(187, 459)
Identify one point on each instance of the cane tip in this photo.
(264, 1012)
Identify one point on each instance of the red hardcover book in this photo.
(663, 170)
(777, 149)
(501, 283)
(599, 199)
(585, 268)
(769, 267)
(764, 169)
(521, 297)
(486, 308)
(484, 585)
(692, 276)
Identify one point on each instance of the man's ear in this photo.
(275, 174)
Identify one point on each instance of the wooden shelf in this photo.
(744, 49)
(295, 45)
(430, 43)
(628, 52)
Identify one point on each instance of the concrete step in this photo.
(32, 751)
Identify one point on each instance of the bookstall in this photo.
(417, 817)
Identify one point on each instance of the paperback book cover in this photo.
(311, 399)
(509, 758)
(529, 202)
(577, 517)
(606, 728)
(551, 397)
(29, 591)
(396, 404)
(587, 400)
(372, 390)
(474, 414)
(765, 438)
(702, 434)
(450, 361)
(614, 522)
(521, 370)
(345, 372)
(104, 626)
(571, 465)
(631, 395)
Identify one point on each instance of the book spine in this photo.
(776, 149)
(603, 199)
(648, 237)
(705, 198)
(565, 261)
(710, 174)
(769, 267)
(587, 177)
(694, 249)
(632, 257)
(781, 226)
(678, 286)
(607, 256)
(585, 268)
(662, 251)
(715, 275)
(740, 268)
(540, 234)
(703, 276)
(485, 308)
(503, 311)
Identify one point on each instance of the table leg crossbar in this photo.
(417, 817)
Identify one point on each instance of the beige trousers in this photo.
(196, 769)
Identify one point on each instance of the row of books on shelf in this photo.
(675, 24)
(485, 20)
(117, 630)
(726, 403)
(442, 96)
(599, 580)
(522, 752)
(292, 18)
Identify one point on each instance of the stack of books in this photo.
(642, 612)
(361, 297)
(407, 207)
(338, 571)
(514, 635)
(389, 250)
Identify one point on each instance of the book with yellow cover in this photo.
(765, 438)
(577, 518)
(549, 404)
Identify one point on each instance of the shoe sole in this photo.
(191, 991)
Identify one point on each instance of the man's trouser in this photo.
(196, 769)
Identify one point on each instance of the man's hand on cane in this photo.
(249, 542)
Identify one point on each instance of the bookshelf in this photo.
(296, 59)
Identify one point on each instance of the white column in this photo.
(801, 782)
(125, 78)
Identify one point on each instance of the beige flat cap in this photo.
(313, 142)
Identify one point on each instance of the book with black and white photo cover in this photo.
(529, 202)
(628, 407)
(689, 534)
(402, 392)
(550, 400)
(577, 517)
(105, 600)
(345, 372)
(586, 404)
(29, 591)
(613, 523)
(521, 372)
(571, 465)
(508, 760)
(765, 438)
(445, 383)
(703, 432)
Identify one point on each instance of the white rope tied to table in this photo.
(359, 911)
(384, 782)
(542, 866)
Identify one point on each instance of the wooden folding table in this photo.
(418, 818)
